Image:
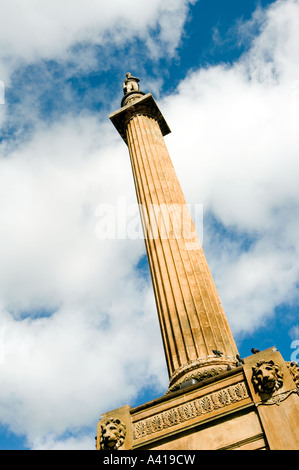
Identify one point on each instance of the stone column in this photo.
(197, 339)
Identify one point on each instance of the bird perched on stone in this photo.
(240, 361)
(254, 351)
(216, 352)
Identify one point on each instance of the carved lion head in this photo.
(294, 371)
(113, 433)
(267, 377)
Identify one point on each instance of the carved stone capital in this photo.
(135, 103)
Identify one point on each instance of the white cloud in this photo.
(62, 370)
(50, 442)
(236, 127)
(39, 29)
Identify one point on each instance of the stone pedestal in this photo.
(221, 413)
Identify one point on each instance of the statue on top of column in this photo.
(130, 84)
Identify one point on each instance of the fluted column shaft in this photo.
(191, 317)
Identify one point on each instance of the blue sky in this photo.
(79, 332)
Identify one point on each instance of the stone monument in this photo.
(215, 399)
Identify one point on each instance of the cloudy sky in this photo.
(79, 332)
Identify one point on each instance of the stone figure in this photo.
(130, 83)
(113, 433)
(267, 377)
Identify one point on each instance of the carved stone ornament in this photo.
(267, 377)
(277, 399)
(294, 371)
(199, 408)
(204, 373)
(113, 433)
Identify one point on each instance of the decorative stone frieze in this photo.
(199, 407)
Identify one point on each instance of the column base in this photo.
(131, 96)
(200, 369)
